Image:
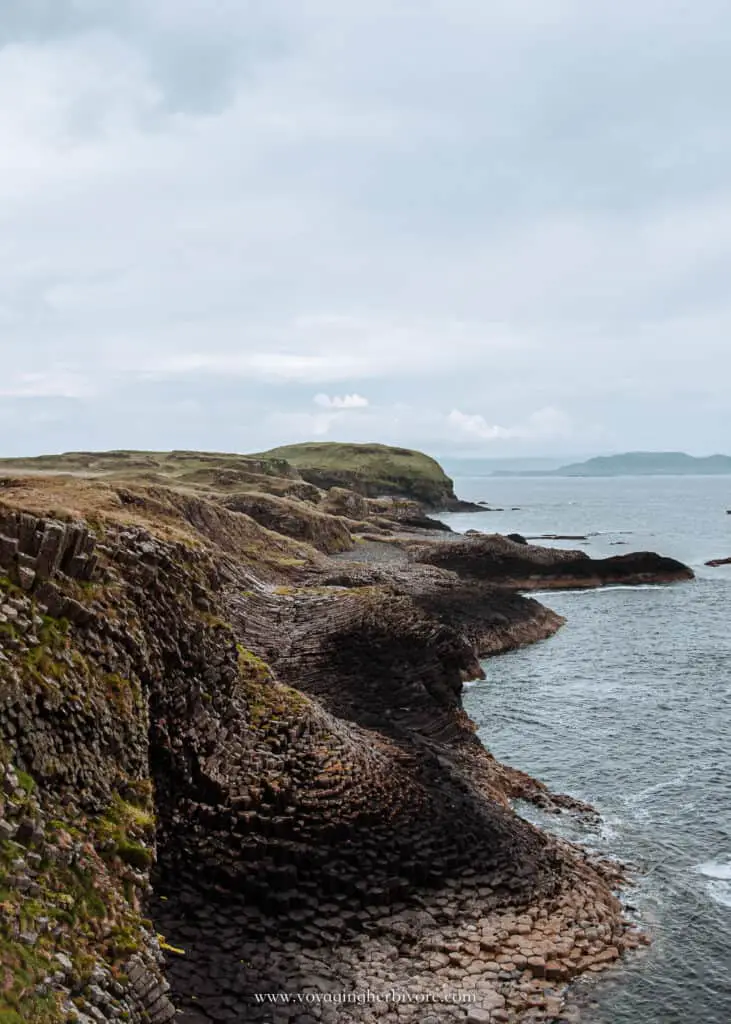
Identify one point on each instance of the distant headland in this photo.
(637, 464)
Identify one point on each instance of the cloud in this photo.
(344, 402)
(477, 426)
(513, 206)
(544, 424)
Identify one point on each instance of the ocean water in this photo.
(629, 708)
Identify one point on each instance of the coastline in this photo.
(326, 819)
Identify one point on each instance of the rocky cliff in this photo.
(374, 470)
(232, 766)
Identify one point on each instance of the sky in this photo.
(490, 229)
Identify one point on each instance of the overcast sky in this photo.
(494, 227)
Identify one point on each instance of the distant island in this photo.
(637, 464)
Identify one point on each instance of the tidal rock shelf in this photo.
(522, 566)
(232, 765)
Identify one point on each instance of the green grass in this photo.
(372, 469)
(376, 459)
(267, 700)
(27, 782)
(134, 854)
(124, 826)
(152, 466)
(43, 662)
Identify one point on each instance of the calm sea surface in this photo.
(629, 707)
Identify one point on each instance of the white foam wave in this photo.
(720, 892)
(540, 595)
(718, 886)
(610, 829)
(625, 586)
(676, 780)
(714, 869)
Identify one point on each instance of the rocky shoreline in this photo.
(248, 761)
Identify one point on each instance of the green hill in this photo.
(370, 469)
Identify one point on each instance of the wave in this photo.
(720, 892)
(718, 886)
(608, 588)
(714, 869)
(676, 780)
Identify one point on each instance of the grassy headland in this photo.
(291, 471)
(374, 470)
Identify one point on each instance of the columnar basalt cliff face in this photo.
(234, 766)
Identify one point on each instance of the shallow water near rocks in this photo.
(629, 708)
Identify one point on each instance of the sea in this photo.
(628, 707)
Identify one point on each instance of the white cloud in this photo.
(273, 200)
(337, 402)
(544, 424)
(477, 426)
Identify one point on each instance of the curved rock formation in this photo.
(326, 532)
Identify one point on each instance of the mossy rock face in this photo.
(373, 470)
(70, 907)
(295, 519)
(342, 502)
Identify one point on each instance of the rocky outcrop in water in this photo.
(511, 563)
(234, 766)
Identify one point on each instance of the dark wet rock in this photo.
(324, 813)
(502, 561)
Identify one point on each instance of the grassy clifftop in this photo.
(176, 466)
(370, 469)
(295, 470)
